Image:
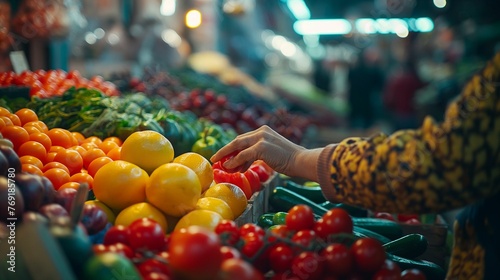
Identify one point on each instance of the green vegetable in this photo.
(389, 229)
(312, 193)
(431, 270)
(409, 246)
(362, 232)
(279, 218)
(265, 221)
(206, 146)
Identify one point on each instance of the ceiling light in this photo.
(322, 27)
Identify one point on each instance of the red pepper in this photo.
(238, 178)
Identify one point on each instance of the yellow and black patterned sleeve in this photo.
(434, 168)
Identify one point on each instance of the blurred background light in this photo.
(167, 7)
(322, 27)
(171, 37)
(193, 18)
(366, 26)
(99, 33)
(424, 24)
(440, 3)
(299, 9)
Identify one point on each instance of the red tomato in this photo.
(229, 252)
(280, 258)
(118, 248)
(307, 265)
(238, 269)
(384, 215)
(334, 221)
(300, 217)
(281, 231)
(369, 255)
(195, 251)
(228, 232)
(251, 228)
(389, 271)
(304, 237)
(338, 259)
(253, 242)
(226, 158)
(152, 265)
(412, 274)
(146, 235)
(261, 172)
(156, 276)
(253, 180)
(116, 234)
(406, 217)
(412, 221)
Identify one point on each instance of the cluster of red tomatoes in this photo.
(304, 248)
(50, 83)
(190, 253)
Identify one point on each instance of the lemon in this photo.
(147, 149)
(200, 165)
(217, 205)
(231, 194)
(109, 213)
(174, 188)
(119, 184)
(139, 211)
(204, 218)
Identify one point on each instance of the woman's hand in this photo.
(278, 152)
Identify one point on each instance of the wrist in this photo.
(306, 163)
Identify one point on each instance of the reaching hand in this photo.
(278, 152)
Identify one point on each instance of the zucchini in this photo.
(362, 232)
(431, 270)
(354, 211)
(409, 246)
(312, 193)
(265, 221)
(282, 199)
(389, 229)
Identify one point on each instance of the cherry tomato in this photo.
(369, 255)
(251, 228)
(152, 265)
(229, 252)
(384, 215)
(300, 217)
(195, 251)
(338, 259)
(280, 258)
(389, 271)
(406, 217)
(253, 242)
(238, 269)
(412, 221)
(281, 231)
(71, 158)
(304, 237)
(228, 232)
(307, 265)
(146, 235)
(119, 248)
(117, 234)
(334, 221)
(412, 274)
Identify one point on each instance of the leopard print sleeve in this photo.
(434, 168)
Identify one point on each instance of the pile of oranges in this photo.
(135, 178)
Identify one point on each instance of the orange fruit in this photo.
(32, 148)
(4, 111)
(92, 139)
(54, 164)
(88, 145)
(15, 119)
(217, 205)
(26, 115)
(204, 218)
(114, 153)
(60, 137)
(107, 146)
(173, 188)
(71, 158)
(56, 149)
(41, 126)
(231, 194)
(200, 165)
(70, 185)
(32, 129)
(41, 138)
(50, 157)
(6, 120)
(114, 139)
(2, 124)
(81, 150)
(31, 168)
(16, 134)
(82, 177)
(147, 149)
(57, 176)
(139, 211)
(96, 164)
(78, 136)
(31, 160)
(91, 154)
(120, 184)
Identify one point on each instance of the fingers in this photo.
(240, 143)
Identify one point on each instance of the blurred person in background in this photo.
(365, 82)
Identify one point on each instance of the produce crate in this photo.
(436, 234)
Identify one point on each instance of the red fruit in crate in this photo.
(384, 215)
(153, 265)
(412, 274)
(412, 221)
(229, 252)
(260, 171)
(253, 242)
(308, 265)
(334, 221)
(300, 217)
(369, 255)
(338, 259)
(194, 252)
(146, 235)
(117, 234)
(280, 258)
(238, 269)
(406, 217)
(228, 231)
(251, 228)
(253, 180)
(389, 271)
(304, 237)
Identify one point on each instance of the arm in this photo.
(435, 168)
